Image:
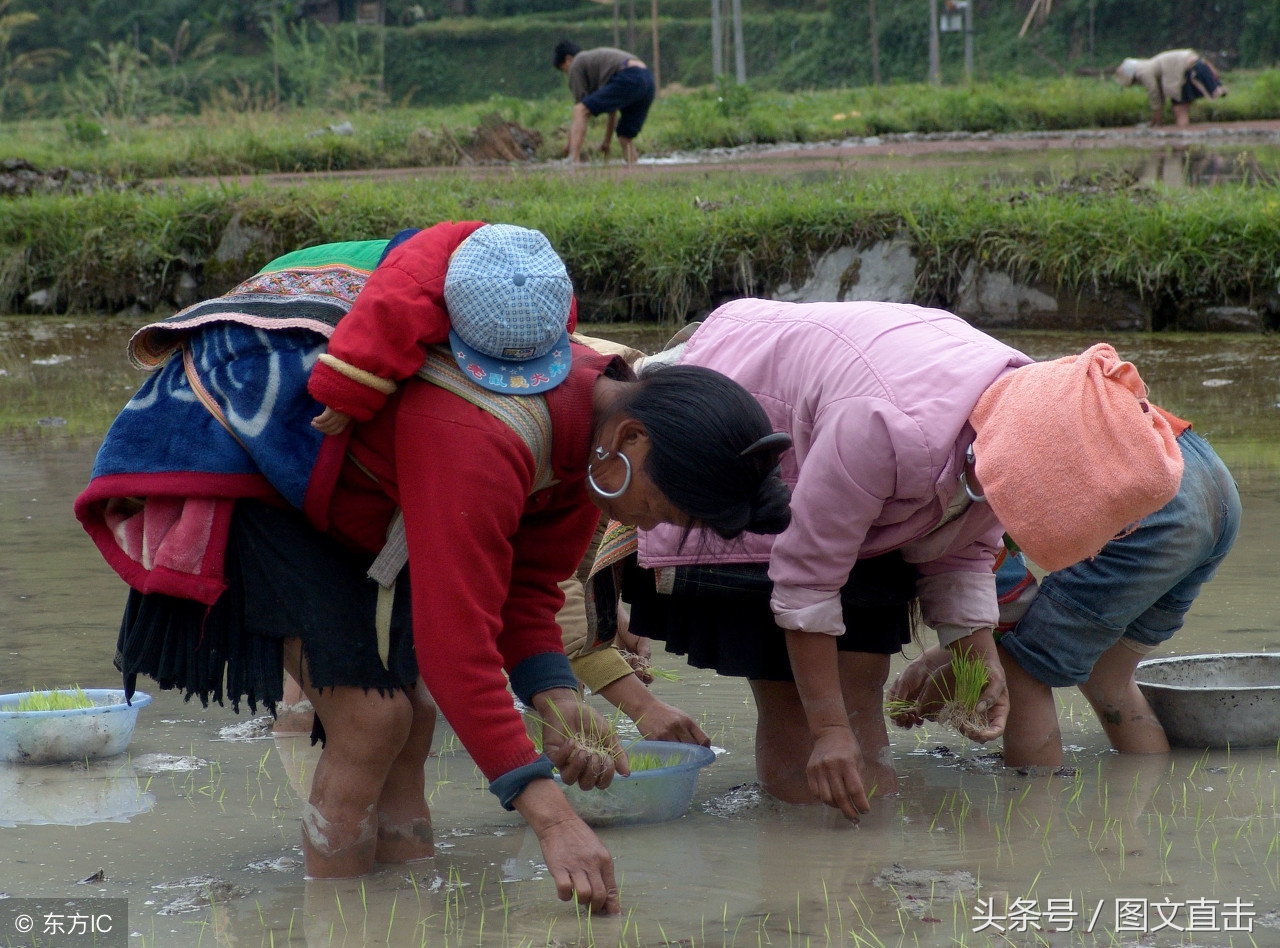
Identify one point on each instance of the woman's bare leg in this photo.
(783, 741)
(290, 718)
(1031, 736)
(404, 821)
(1131, 725)
(862, 679)
(364, 733)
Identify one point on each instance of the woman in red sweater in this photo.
(494, 517)
(486, 548)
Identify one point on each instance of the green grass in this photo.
(249, 138)
(660, 249)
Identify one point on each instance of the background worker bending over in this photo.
(606, 80)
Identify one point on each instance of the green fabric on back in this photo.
(357, 254)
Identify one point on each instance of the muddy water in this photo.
(1202, 159)
(200, 832)
(1176, 166)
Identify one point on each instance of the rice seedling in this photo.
(968, 677)
(69, 699)
(897, 707)
(644, 760)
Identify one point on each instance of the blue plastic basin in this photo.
(647, 796)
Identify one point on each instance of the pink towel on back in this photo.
(1069, 454)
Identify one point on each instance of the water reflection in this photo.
(74, 794)
(1177, 167)
(1184, 167)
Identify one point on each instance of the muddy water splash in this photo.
(210, 853)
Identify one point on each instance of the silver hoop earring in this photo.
(626, 480)
(964, 480)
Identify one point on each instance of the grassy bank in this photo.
(662, 250)
(226, 141)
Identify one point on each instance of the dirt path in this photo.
(830, 155)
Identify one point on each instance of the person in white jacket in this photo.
(1178, 75)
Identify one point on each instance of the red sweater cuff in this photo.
(335, 390)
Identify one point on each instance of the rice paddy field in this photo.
(196, 827)
(194, 832)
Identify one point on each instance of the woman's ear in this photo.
(631, 433)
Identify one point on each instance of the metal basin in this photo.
(1215, 700)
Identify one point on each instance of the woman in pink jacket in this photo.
(886, 404)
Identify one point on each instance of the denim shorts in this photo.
(629, 92)
(1140, 586)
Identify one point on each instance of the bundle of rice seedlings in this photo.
(645, 670)
(961, 688)
(57, 700)
(896, 707)
(644, 760)
(968, 676)
(598, 744)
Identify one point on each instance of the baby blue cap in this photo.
(508, 296)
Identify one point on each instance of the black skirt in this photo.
(719, 616)
(284, 579)
(1200, 82)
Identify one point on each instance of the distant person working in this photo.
(606, 80)
(1179, 75)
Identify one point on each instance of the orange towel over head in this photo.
(1069, 454)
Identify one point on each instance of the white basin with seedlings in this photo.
(659, 790)
(101, 729)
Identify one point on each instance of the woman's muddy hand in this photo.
(577, 861)
(624, 638)
(660, 721)
(835, 772)
(578, 741)
(917, 692)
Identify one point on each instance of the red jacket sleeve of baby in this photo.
(384, 338)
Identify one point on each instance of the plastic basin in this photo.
(647, 796)
(1215, 700)
(48, 737)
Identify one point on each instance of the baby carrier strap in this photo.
(526, 415)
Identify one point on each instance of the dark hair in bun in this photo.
(712, 450)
